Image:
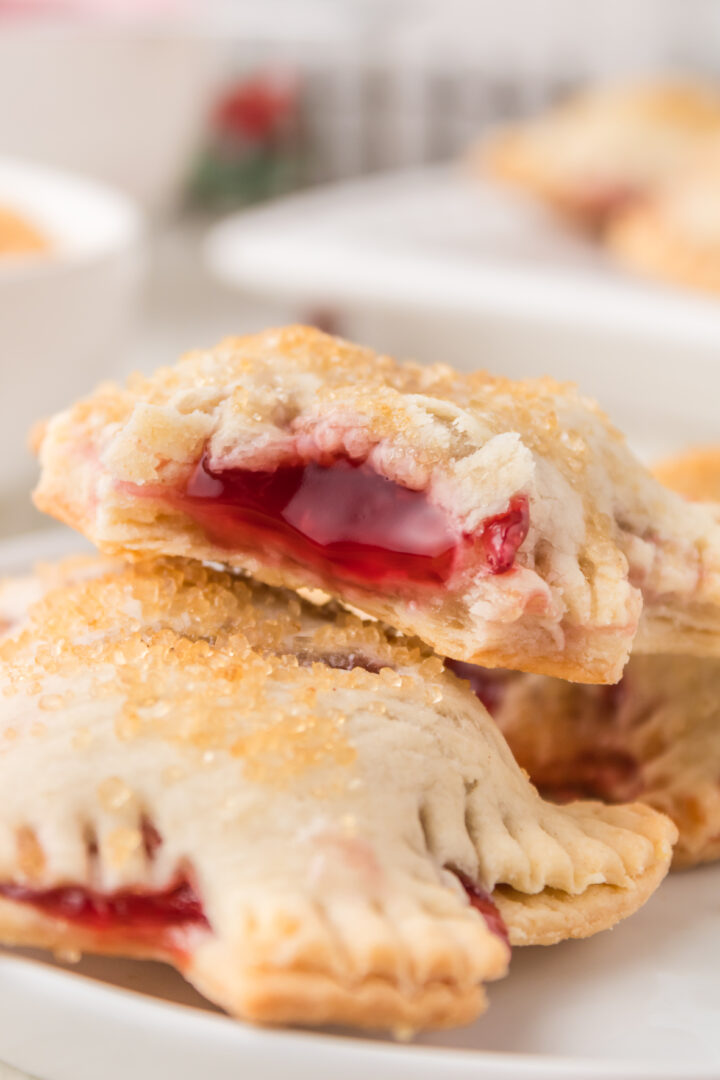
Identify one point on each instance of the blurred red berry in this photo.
(255, 108)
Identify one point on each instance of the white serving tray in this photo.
(442, 265)
(640, 1001)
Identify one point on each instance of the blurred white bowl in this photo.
(124, 104)
(64, 314)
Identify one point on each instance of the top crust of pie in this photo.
(602, 531)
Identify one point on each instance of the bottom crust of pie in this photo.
(551, 916)
(263, 995)
(581, 659)
(304, 996)
(316, 999)
(596, 655)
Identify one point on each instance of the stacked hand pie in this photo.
(655, 736)
(637, 165)
(241, 739)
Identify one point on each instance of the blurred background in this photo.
(209, 168)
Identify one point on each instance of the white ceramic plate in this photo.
(438, 236)
(440, 265)
(641, 1001)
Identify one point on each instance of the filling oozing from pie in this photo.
(345, 519)
(128, 911)
(482, 902)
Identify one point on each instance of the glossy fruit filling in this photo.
(483, 903)
(125, 910)
(346, 519)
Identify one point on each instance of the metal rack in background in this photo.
(386, 84)
(355, 122)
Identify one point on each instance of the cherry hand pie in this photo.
(306, 814)
(655, 736)
(597, 153)
(505, 523)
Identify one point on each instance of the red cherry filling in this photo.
(125, 910)
(483, 903)
(503, 534)
(346, 517)
(611, 775)
(368, 528)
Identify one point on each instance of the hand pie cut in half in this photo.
(673, 234)
(654, 737)
(505, 523)
(598, 152)
(308, 816)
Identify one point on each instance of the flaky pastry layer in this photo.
(602, 541)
